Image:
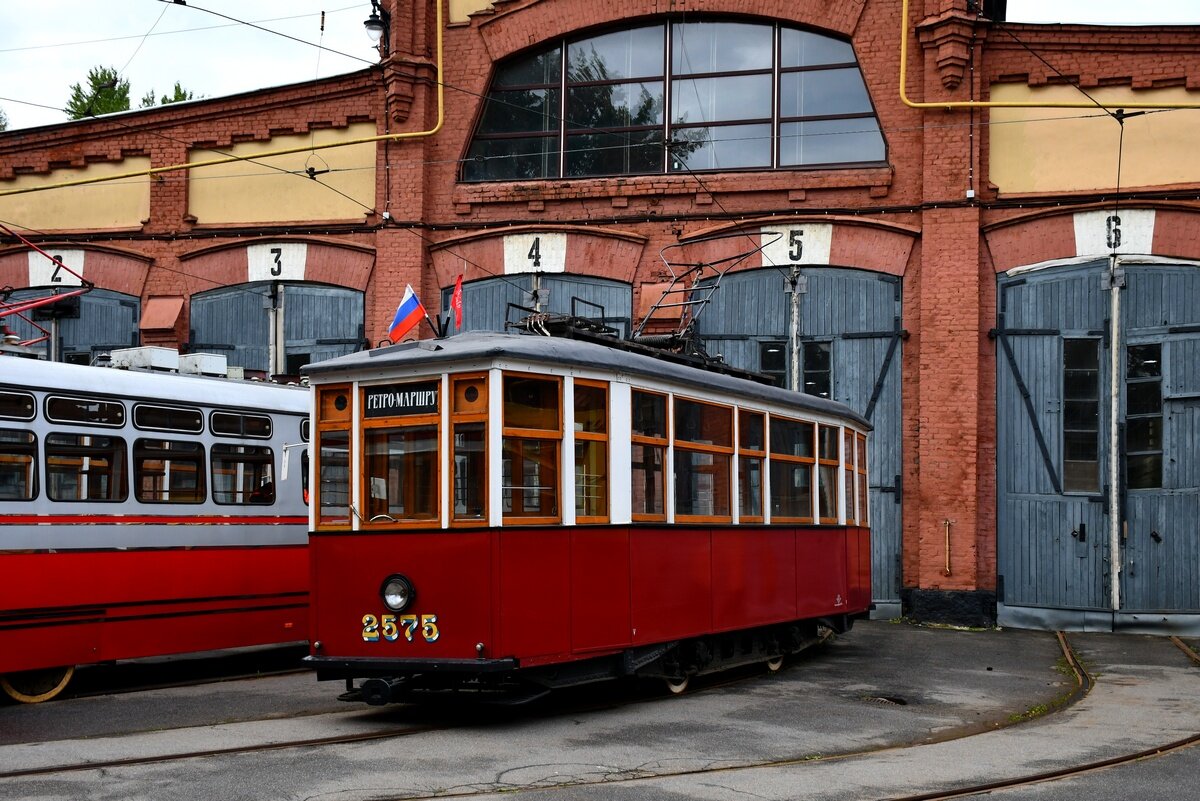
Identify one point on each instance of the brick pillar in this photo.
(948, 529)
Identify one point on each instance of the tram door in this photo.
(1066, 374)
(850, 344)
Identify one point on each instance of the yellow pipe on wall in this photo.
(951, 104)
(269, 153)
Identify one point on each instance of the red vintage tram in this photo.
(508, 513)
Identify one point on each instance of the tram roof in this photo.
(475, 347)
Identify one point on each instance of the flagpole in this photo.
(436, 333)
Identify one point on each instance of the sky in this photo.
(47, 45)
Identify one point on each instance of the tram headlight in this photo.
(397, 593)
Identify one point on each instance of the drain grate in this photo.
(886, 700)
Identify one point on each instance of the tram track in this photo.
(1084, 684)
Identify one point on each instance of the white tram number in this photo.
(391, 627)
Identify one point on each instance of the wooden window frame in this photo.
(336, 421)
(716, 451)
(745, 452)
(826, 462)
(593, 436)
(860, 466)
(662, 444)
(788, 459)
(479, 415)
(554, 436)
(400, 422)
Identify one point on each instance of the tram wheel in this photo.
(773, 665)
(676, 686)
(35, 686)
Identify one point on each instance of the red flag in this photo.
(456, 302)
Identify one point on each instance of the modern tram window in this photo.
(85, 467)
(1143, 416)
(333, 456)
(703, 445)
(792, 462)
(17, 405)
(863, 486)
(401, 451)
(168, 471)
(85, 410)
(243, 475)
(649, 440)
(468, 419)
(241, 425)
(18, 465)
(827, 473)
(168, 418)
(817, 369)
(532, 437)
(751, 453)
(1081, 415)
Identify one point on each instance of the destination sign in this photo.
(392, 400)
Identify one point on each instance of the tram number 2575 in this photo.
(391, 627)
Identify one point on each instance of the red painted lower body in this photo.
(541, 596)
(81, 607)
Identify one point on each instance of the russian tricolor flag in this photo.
(408, 315)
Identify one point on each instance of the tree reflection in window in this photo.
(741, 96)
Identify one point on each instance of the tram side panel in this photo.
(79, 607)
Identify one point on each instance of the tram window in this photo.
(16, 405)
(18, 465)
(168, 471)
(591, 452)
(469, 420)
(1081, 415)
(530, 458)
(817, 373)
(703, 444)
(792, 463)
(241, 425)
(863, 486)
(305, 430)
(333, 481)
(751, 452)
(772, 361)
(649, 440)
(84, 467)
(1143, 416)
(402, 473)
(168, 418)
(848, 474)
(243, 475)
(827, 473)
(85, 410)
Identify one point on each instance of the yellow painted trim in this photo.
(1000, 104)
(269, 153)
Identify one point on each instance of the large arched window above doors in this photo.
(676, 97)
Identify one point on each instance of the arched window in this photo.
(676, 97)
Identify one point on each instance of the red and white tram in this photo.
(144, 514)
(512, 513)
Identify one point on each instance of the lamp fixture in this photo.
(378, 25)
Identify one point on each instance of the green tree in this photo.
(179, 94)
(105, 93)
(3, 120)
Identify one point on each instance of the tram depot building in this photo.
(986, 240)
